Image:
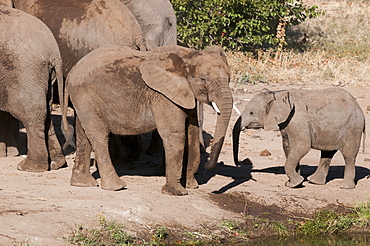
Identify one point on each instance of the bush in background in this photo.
(238, 24)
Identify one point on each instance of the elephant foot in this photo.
(112, 184)
(317, 179)
(57, 163)
(295, 183)
(174, 190)
(348, 185)
(82, 179)
(12, 151)
(32, 166)
(192, 183)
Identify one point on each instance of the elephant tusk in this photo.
(215, 107)
(236, 109)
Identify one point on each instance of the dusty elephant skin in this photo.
(157, 20)
(82, 26)
(30, 63)
(129, 92)
(328, 120)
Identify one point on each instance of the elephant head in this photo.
(157, 20)
(268, 110)
(201, 75)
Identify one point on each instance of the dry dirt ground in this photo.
(40, 208)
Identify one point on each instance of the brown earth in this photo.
(41, 208)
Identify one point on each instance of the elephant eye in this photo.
(202, 79)
(251, 113)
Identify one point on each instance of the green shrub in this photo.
(238, 24)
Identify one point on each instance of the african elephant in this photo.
(129, 92)
(157, 20)
(328, 120)
(80, 26)
(30, 64)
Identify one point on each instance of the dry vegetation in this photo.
(333, 48)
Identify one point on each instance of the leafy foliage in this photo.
(237, 24)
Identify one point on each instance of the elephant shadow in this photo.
(239, 174)
(335, 172)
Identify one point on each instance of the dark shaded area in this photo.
(335, 172)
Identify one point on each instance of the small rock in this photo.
(265, 153)
(368, 108)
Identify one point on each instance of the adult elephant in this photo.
(81, 26)
(157, 20)
(30, 64)
(143, 91)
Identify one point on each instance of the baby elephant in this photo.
(327, 120)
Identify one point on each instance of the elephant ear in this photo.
(166, 73)
(217, 50)
(278, 110)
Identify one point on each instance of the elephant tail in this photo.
(363, 139)
(67, 129)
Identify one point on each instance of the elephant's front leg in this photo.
(173, 136)
(319, 177)
(193, 150)
(296, 152)
(81, 175)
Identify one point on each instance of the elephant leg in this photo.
(319, 177)
(37, 154)
(296, 152)
(4, 131)
(173, 134)
(193, 148)
(99, 137)
(108, 174)
(55, 150)
(200, 113)
(349, 173)
(9, 132)
(81, 175)
(286, 152)
(12, 139)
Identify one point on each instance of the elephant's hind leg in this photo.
(99, 140)
(319, 177)
(81, 175)
(55, 150)
(37, 156)
(349, 151)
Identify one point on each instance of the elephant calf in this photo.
(327, 120)
(128, 92)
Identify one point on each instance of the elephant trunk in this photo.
(236, 135)
(224, 103)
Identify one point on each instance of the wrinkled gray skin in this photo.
(30, 64)
(159, 89)
(328, 120)
(81, 26)
(157, 20)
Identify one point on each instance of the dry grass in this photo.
(336, 50)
